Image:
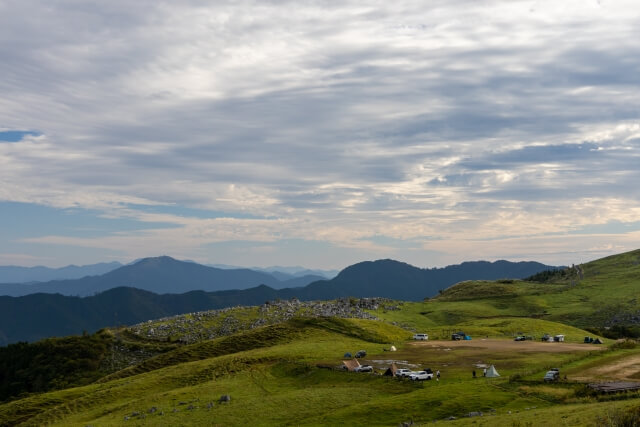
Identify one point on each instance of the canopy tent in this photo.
(492, 373)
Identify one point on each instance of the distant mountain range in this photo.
(161, 275)
(285, 273)
(40, 315)
(14, 274)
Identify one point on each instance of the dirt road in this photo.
(510, 345)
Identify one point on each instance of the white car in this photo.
(364, 368)
(552, 375)
(403, 372)
(422, 337)
(421, 376)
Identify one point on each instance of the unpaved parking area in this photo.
(509, 345)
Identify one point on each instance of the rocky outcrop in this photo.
(193, 327)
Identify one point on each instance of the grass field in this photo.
(288, 373)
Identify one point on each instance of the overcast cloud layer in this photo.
(319, 133)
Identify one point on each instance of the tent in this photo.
(393, 348)
(492, 373)
(391, 371)
(350, 365)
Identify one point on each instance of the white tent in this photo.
(492, 373)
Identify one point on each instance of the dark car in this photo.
(361, 353)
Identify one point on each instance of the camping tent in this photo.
(393, 348)
(350, 365)
(492, 373)
(391, 371)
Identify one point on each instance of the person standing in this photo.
(438, 374)
(484, 372)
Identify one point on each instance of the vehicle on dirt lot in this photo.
(361, 353)
(364, 368)
(421, 376)
(520, 338)
(422, 337)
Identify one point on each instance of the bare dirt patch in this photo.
(627, 368)
(509, 345)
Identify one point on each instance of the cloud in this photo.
(327, 121)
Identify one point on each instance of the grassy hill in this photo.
(285, 371)
(596, 294)
(281, 375)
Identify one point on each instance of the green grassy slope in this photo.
(606, 290)
(284, 373)
(281, 384)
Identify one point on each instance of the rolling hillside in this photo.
(600, 293)
(280, 363)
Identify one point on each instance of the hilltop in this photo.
(601, 293)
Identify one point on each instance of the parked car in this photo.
(403, 372)
(520, 338)
(422, 337)
(552, 375)
(421, 376)
(547, 338)
(361, 353)
(364, 368)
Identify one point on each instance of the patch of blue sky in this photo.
(57, 255)
(25, 220)
(186, 212)
(16, 135)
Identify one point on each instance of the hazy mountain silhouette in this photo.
(36, 316)
(14, 274)
(160, 275)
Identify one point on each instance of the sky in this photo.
(318, 133)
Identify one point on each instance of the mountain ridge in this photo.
(160, 275)
(39, 315)
(17, 274)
